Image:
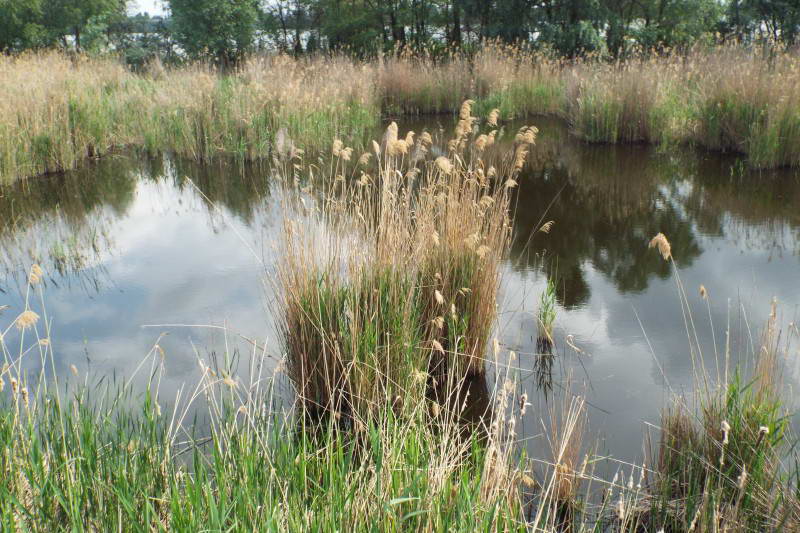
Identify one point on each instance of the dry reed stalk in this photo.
(56, 111)
(387, 280)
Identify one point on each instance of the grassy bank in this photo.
(730, 99)
(100, 458)
(56, 111)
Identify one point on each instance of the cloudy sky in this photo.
(154, 7)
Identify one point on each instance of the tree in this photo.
(20, 24)
(571, 27)
(223, 30)
(677, 23)
(72, 17)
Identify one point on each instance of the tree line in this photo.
(226, 30)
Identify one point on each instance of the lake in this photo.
(140, 250)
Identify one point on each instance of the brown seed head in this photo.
(26, 319)
(444, 165)
(400, 147)
(494, 114)
(35, 275)
(466, 110)
(547, 226)
(662, 244)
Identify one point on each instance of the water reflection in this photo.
(621, 334)
(172, 252)
(131, 241)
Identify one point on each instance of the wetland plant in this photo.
(546, 317)
(719, 462)
(393, 275)
(57, 111)
(78, 452)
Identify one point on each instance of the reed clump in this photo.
(58, 111)
(718, 464)
(395, 272)
(726, 465)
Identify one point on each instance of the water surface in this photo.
(140, 250)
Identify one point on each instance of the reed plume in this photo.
(382, 284)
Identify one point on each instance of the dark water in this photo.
(135, 248)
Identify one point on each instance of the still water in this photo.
(141, 250)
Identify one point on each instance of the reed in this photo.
(80, 452)
(58, 111)
(719, 462)
(395, 272)
(725, 98)
(547, 314)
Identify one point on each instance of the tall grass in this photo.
(56, 111)
(84, 453)
(391, 282)
(726, 98)
(719, 462)
(80, 454)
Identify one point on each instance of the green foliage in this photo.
(112, 463)
(71, 17)
(729, 460)
(20, 25)
(37, 23)
(225, 30)
(222, 30)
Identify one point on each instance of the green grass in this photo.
(351, 346)
(81, 453)
(78, 462)
(547, 311)
(701, 467)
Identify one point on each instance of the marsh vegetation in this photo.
(428, 266)
(57, 111)
(390, 262)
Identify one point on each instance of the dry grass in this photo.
(506, 77)
(394, 271)
(56, 111)
(726, 98)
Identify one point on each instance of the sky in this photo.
(154, 7)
